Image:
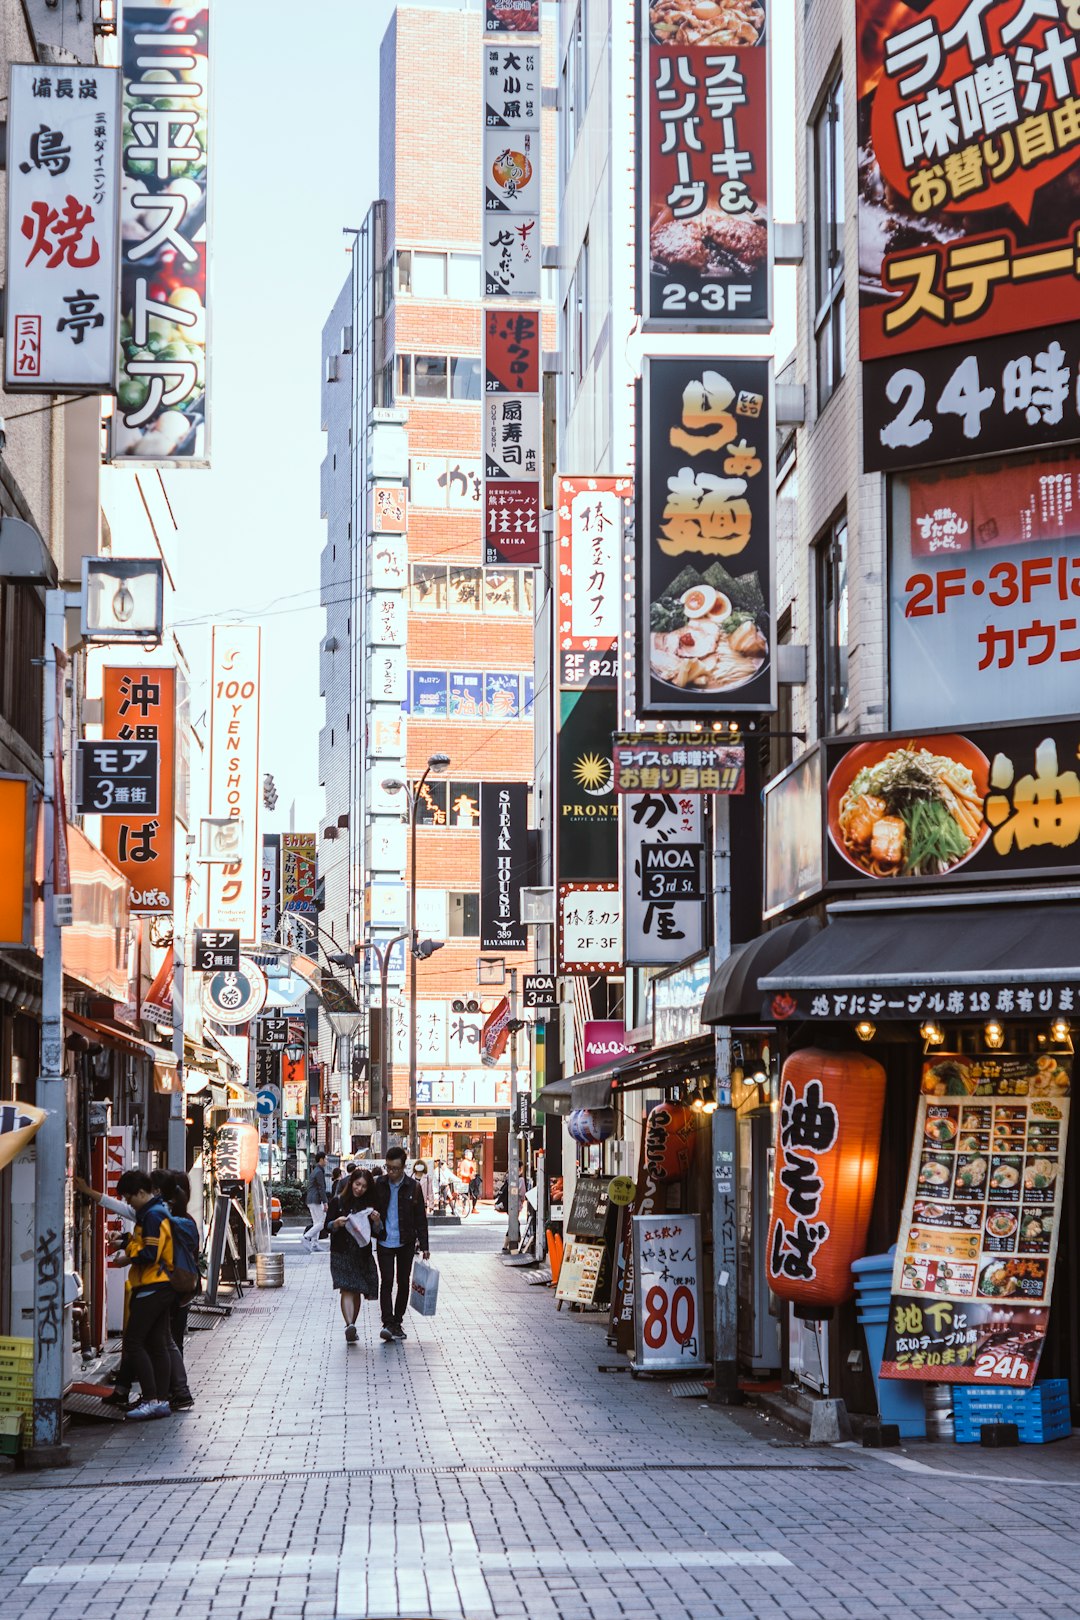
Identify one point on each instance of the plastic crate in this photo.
(16, 1350)
(1041, 1413)
(11, 1428)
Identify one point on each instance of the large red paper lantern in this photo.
(828, 1135)
(671, 1138)
(237, 1152)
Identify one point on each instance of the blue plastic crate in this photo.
(1040, 1413)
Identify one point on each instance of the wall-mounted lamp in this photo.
(123, 599)
(994, 1035)
(865, 1030)
(932, 1033)
(1061, 1032)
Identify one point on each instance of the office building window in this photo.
(463, 920)
(833, 625)
(430, 274)
(829, 241)
(438, 376)
(465, 377)
(464, 588)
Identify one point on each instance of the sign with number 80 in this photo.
(667, 1293)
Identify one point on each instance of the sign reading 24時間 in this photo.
(705, 540)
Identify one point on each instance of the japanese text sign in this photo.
(974, 1268)
(63, 183)
(669, 1329)
(162, 398)
(115, 777)
(590, 928)
(235, 680)
(512, 90)
(589, 514)
(704, 212)
(1027, 996)
(504, 865)
(656, 763)
(511, 16)
(217, 949)
(512, 351)
(270, 886)
(512, 522)
(664, 877)
(298, 875)
(139, 706)
(968, 128)
(389, 509)
(705, 572)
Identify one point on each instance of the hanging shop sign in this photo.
(512, 342)
(512, 259)
(162, 414)
(540, 992)
(794, 831)
(604, 1040)
(512, 437)
(389, 509)
(669, 763)
(273, 1033)
(590, 928)
(17, 822)
(589, 519)
(511, 16)
(669, 1328)
(591, 1126)
(504, 864)
(234, 997)
(664, 877)
(512, 522)
(298, 872)
(587, 835)
(270, 886)
(235, 787)
(63, 184)
(513, 432)
(217, 950)
(672, 1131)
(512, 88)
(974, 1269)
(139, 707)
(236, 1152)
(113, 777)
(703, 186)
(828, 1135)
(705, 570)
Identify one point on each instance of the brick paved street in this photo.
(487, 1468)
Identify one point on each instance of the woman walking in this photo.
(352, 1261)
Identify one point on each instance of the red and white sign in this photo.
(233, 899)
(669, 1330)
(389, 509)
(589, 540)
(590, 919)
(605, 1040)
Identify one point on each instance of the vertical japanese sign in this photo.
(504, 864)
(235, 679)
(664, 877)
(705, 565)
(139, 705)
(270, 886)
(161, 364)
(298, 875)
(63, 176)
(589, 569)
(968, 138)
(704, 211)
(590, 928)
(668, 1325)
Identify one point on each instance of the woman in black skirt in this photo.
(352, 1266)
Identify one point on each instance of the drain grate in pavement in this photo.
(693, 1388)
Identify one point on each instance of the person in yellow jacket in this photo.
(149, 1253)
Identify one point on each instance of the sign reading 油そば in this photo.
(233, 899)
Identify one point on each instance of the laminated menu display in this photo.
(975, 1255)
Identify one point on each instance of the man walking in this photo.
(400, 1202)
(315, 1198)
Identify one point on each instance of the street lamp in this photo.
(436, 766)
(382, 956)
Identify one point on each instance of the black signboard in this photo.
(672, 872)
(1022, 997)
(523, 1113)
(589, 1210)
(267, 1068)
(952, 403)
(273, 1033)
(504, 864)
(539, 991)
(587, 836)
(217, 950)
(115, 778)
(580, 669)
(705, 538)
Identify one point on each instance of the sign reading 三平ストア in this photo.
(589, 517)
(984, 591)
(235, 997)
(115, 777)
(217, 950)
(587, 830)
(669, 1331)
(298, 871)
(664, 874)
(974, 1268)
(139, 706)
(235, 789)
(651, 762)
(511, 16)
(162, 413)
(703, 198)
(590, 934)
(63, 180)
(504, 865)
(705, 544)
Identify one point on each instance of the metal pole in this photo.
(725, 1391)
(513, 1231)
(50, 1144)
(177, 1138)
(387, 1044)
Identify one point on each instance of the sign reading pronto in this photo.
(115, 777)
(217, 950)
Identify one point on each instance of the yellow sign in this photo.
(19, 1123)
(621, 1191)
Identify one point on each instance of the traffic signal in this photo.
(269, 792)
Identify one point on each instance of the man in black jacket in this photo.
(400, 1201)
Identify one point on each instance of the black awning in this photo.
(656, 1066)
(934, 960)
(553, 1099)
(733, 996)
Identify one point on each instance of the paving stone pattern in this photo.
(487, 1468)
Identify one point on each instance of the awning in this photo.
(656, 1066)
(934, 958)
(554, 1099)
(733, 996)
(122, 1040)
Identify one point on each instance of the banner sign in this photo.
(794, 825)
(511, 144)
(705, 573)
(235, 786)
(139, 706)
(512, 437)
(504, 864)
(589, 516)
(590, 928)
(162, 412)
(603, 1040)
(270, 886)
(512, 523)
(63, 180)
(669, 1328)
(587, 831)
(511, 16)
(217, 950)
(974, 1268)
(512, 344)
(664, 875)
(113, 777)
(298, 871)
(672, 764)
(704, 171)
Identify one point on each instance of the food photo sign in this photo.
(974, 1266)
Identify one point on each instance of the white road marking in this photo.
(187, 1569)
(911, 1465)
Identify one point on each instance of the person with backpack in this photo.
(176, 1189)
(148, 1251)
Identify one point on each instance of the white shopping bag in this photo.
(424, 1289)
(358, 1225)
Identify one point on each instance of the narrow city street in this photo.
(488, 1467)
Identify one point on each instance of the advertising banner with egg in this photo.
(705, 570)
(974, 1267)
(705, 231)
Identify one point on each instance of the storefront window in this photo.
(464, 915)
(465, 589)
(500, 591)
(427, 588)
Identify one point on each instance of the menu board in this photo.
(579, 1274)
(588, 1212)
(975, 1256)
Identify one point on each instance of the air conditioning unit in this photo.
(537, 906)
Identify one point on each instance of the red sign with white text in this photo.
(139, 704)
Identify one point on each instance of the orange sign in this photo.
(140, 704)
(389, 509)
(15, 847)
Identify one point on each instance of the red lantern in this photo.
(671, 1137)
(827, 1140)
(237, 1152)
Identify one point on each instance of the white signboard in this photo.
(590, 928)
(665, 877)
(63, 181)
(512, 90)
(440, 481)
(386, 844)
(233, 890)
(388, 560)
(387, 682)
(463, 1088)
(512, 256)
(512, 436)
(270, 888)
(669, 1330)
(593, 582)
(387, 619)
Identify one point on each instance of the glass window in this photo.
(404, 271)
(431, 805)
(829, 241)
(549, 284)
(500, 590)
(465, 588)
(464, 915)
(465, 376)
(465, 804)
(525, 580)
(404, 376)
(429, 376)
(463, 275)
(467, 694)
(427, 587)
(833, 638)
(429, 275)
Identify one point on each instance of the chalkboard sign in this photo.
(588, 1212)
